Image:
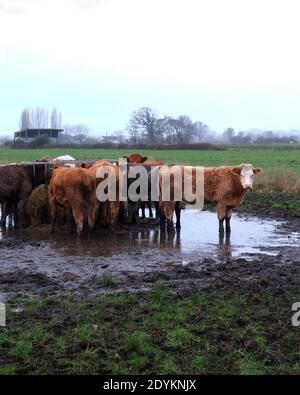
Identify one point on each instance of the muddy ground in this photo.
(263, 249)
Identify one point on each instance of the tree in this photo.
(24, 122)
(229, 134)
(78, 131)
(166, 129)
(55, 119)
(38, 118)
(142, 125)
(184, 130)
(119, 134)
(200, 130)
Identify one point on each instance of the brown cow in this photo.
(108, 211)
(225, 186)
(75, 189)
(16, 184)
(37, 206)
(135, 158)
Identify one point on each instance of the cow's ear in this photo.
(236, 170)
(83, 165)
(257, 170)
(144, 158)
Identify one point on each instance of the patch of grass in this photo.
(178, 338)
(199, 364)
(252, 367)
(21, 350)
(107, 281)
(227, 331)
(7, 370)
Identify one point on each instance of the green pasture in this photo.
(267, 159)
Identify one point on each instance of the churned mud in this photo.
(261, 248)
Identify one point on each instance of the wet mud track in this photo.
(260, 251)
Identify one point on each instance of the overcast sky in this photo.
(227, 63)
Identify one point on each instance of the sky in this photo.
(233, 63)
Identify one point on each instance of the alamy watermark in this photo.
(2, 314)
(154, 183)
(296, 315)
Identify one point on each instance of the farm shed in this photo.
(30, 134)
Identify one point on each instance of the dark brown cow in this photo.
(139, 159)
(75, 190)
(16, 184)
(225, 186)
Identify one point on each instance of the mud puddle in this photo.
(134, 257)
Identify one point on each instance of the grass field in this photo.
(154, 333)
(267, 159)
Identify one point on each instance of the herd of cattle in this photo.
(51, 191)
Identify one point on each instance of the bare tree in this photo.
(229, 134)
(79, 131)
(38, 118)
(167, 130)
(184, 129)
(119, 134)
(54, 118)
(200, 130)
(24, 122)
(142, 125)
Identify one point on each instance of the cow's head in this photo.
(246, 173)
(136, 158)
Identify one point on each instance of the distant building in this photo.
(109, 139)
(31, 134)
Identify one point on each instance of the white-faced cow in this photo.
(224, 186)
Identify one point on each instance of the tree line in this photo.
(145, 127)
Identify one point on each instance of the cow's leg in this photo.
(79, 219)
(113, 214)
(3, 215)
(70, 219)
(53, 212)
(92, 209)
(150, 209)
(221, 211)
(131, 212)
(227, 220)
(178, 213)
(143, 207)
(122, 213)
(21, 204)
(156, 205)
(15, 214)
(169, 208)
(162, 217)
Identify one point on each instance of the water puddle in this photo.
(31, 260)
(198, 238)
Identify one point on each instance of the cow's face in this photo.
(246, 173)
(136, 158)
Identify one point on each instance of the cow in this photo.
(108, 211)
(75, 190)
(135, 159)
(224, 186)
(37, 206)
(16, 184)
(45, 158)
